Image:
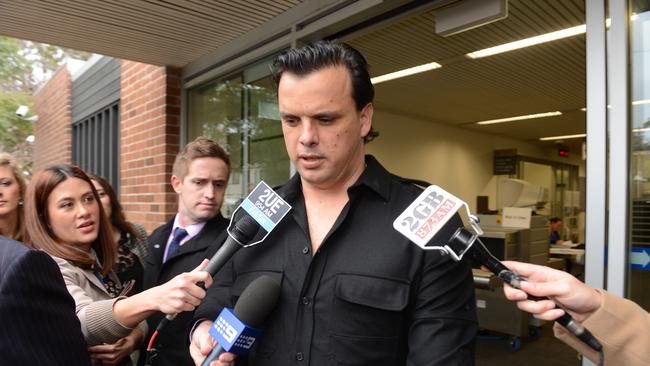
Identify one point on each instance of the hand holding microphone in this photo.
(437, 220)
(236, 332)
(257, 215)
(182, 293)
(560, 287)
(251, 222)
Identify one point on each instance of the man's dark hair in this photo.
(553, 220)
(322, 54)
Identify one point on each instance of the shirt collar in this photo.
(374, 177)
(192, 230)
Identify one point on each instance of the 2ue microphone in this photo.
(251, 222)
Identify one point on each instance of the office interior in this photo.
(446, 126)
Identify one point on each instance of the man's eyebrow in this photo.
(329, 114)
(284, 115)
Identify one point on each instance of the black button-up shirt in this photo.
(367, 296)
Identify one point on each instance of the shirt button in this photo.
(299, 356)
(305, 300)
(305, 250)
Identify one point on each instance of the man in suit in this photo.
(37, 314)
(199, 177)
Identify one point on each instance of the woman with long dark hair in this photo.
(130, 238)
(64, 218)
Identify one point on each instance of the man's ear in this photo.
(365, 117)
(177, 184)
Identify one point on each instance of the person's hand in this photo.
(562, 288)
(113, 354)
(181, 293)
(203, 343)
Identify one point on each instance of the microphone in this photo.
(236, 332)
(437, 220)
(241, 234)
(251, 222)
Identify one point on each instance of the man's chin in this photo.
(205, 215)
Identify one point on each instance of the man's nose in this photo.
(309, 134)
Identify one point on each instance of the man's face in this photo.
(323, 131)
(556, 226)
(201, 191)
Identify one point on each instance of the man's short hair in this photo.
(201, 147)
(322, 54)
(555, 219)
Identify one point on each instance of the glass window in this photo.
(243, 118)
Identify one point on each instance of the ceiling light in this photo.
(639, 102)
(527, 42)
(405, 72)
(519, 118)
(565, 137)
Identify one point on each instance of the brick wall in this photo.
(52, 104)
(149, 138)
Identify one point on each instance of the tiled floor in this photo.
(544, 351)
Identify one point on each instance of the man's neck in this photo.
(184, 221)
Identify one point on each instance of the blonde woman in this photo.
(12, 191)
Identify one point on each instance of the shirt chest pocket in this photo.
(369, 306)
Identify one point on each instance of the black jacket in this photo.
(38, 324)
(171, 343)
(367, 297)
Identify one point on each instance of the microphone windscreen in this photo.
(258, 300)
(244, 229)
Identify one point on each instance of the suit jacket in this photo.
(37, 318)
(623, 329)
(172, 341)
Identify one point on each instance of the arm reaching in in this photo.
(177, 295)
(579, 300)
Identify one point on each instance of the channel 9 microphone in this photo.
(251, 222)
(236, 332)
(437, 220)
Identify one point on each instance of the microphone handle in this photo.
(227, 250)
(213, 356)
(483, 256)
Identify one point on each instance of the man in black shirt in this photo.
(354, 290)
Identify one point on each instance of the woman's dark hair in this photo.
(322, 54)
(117, 217)
(38, 233)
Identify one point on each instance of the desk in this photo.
(578, 255)
(575, 259)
